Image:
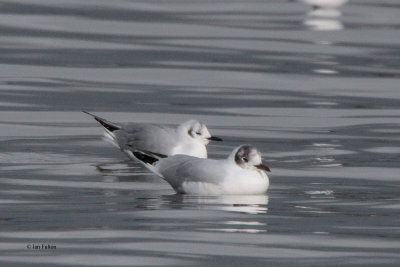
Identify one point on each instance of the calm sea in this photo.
(317, 90)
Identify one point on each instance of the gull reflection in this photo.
(255, 204)
(250, 227)
(251, 204)
(235, 230)
(324, 15)
(245, 204)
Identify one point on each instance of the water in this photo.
(316, 90)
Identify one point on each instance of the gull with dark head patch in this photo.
(241, 173)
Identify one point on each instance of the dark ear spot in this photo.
(238, 159)
(191, 133)
(242, 155)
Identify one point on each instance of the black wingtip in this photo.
(144, 157)
(153, 154)
(87, 112)
(157, 155)
(106, 124)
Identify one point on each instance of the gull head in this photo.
(249, 157)
(197, 131)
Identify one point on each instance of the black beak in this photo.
(262, 167)
(214, 138)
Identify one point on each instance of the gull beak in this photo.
(262, 167)
(214, 138)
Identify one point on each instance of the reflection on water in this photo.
(255, 204)
(213, 206)
(313, 84)
(324, 20)
(325, 15)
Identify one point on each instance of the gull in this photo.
(242, 173)
(189, 138)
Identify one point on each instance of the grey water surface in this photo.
(317, 90)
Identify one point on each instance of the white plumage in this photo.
(241, 173)
(189, 138)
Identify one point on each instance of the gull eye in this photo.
(198, 133)
(245, 159)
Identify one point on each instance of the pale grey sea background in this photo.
(318, 91)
